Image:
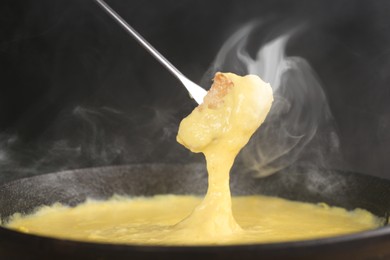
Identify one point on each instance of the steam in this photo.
(299, 126)
(94, 136)
(298, 130)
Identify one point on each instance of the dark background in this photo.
(76, 91)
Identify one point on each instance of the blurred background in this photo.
(76, 91)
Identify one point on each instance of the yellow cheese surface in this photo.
(153, 221)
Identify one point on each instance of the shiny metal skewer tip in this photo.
(196, 92)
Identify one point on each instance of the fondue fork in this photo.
(196, 92)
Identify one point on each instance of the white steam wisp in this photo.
(291, 131)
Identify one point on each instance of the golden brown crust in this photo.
(221, 86)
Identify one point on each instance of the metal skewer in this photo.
(195, 90)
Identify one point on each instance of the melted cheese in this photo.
(232, 111)
(152, 221)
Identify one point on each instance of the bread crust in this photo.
(221, 86)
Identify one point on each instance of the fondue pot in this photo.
(77, 93)
(349, 190)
